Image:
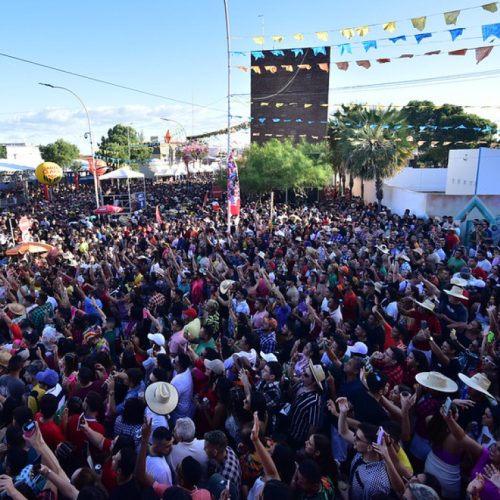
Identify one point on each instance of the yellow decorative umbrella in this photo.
(29, 247)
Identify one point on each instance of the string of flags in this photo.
(418, 23)
(481, 53)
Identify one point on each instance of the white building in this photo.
(23, 154)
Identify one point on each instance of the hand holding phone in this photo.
(81, 422)
(29, 428)
(447, 406)
(380, 435)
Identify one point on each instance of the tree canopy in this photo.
(116, 145)
(61, 152)
(282, 165)
(441, 128)
(3, 151)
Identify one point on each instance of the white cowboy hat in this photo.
(161, 398)
(478, 382)
(436, 381)
(225, 286)
(382, 248)
(427, 304)
(403, 257)
(318, 373)
(157, 338)
(418, 250)
(457, 292)
(459, 282)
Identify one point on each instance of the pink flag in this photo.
(482, 53)
(365, 63)
(459, 52)
(344, 66)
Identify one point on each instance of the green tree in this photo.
(3, 151)
(118, 142)
(61, 152)
(375, 146)
(441, 128)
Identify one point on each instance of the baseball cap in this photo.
(48, 377)
(214, 365)
(157, 338)
(190, 313)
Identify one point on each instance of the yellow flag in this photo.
(287, 67)
(278, 38)
(259, 40)
(490, 7)
(322, 35)
(264, 104)
(271, 69)
(279, 104)
(451, 17)
(324, 67)
(307, 105)
(324, 105)
(304, 66)
(419, 22)
(256, 69)
(390, 26)
(347, 32)
(362, 30)
(243, 68)
(298, 36)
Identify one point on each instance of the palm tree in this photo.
(376, 145)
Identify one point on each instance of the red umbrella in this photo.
(108, 210)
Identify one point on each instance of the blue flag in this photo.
(258, 55)
(455, 33)
(401, 38)
(277, 53)
(421, 36)
(297, 52)
(319, 50)
(490, 30)
(370, 44)
(345, 47)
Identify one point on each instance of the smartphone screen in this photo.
(447, 406)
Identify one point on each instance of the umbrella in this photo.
(108, 210)
(29, 247)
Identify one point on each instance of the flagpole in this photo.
(228, 43)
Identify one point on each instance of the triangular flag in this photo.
(307, 105)
(482, 53)
(406, 56)
(401, 38)
(280, 104)
(490, 7)
(243, 68)
(370, 44)
(259, 40)
(264, 104)
(258, 54)
(297, 52)
(304, 66)
(256, 69)
(344, 65)
(451, 17)
(322, 35)
(390, 26)
(419, 22)
(287, 67)
(324, 105)
(262, 120)
(239, 53)
(460, 52)
(384, 60)
(490, 30)
(345, 47)
(420, 37)
(271, 69)
(278, 38)
(277, 53)
(319, 50)
(298, 36)
(362, 30)
(324, 66)
(276, 120)
(364, 63)
(347, 33)
(433, 53)
(455, 33)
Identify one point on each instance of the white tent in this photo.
(125, 173)
(13, 167)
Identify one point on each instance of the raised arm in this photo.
(270, 470)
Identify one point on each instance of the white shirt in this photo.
(484, 264)
(183, 382)
(195, 449)
(156, 420)
(392, 310)
(159, 470)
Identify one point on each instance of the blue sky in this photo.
(177, 48)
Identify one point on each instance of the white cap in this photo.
(157, 338)
(358, 348)
(268, 357)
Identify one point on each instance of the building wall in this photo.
(24, 154)
(488, 178)
(462, 171)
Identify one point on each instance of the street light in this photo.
(87, 135)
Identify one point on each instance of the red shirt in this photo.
(77, 437)
(52, 434)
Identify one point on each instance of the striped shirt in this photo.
(305, 413)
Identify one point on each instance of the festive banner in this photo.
(406, 56)
(364, 64)
(277, 53)
(298, 36)
(390, 26)
(243, 68)
(455, 33)
(257, 54)
(304, 66)
(384, 60)
(420, 37)
(345, 47)
(490, 7)
(322, 35)
(451, 17)
(401, 38)
(370, 44)
(362, 30)
(319, 50)
(256, 69)
(271, 69)
(324, 67)
(298, 52)
(287, 67)
(278, 38)
(343, 66)
(347, 33)
(490, 30)
(432, 53)
(419, 23)
(482, 53)
(259, 40)
(233, 188)
(460, 52)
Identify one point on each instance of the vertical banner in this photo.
(233, 188)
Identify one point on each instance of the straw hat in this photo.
(479, 382)
(457, 292)
(317, 373)
(16, 309)
(161, 398)
(404, 257)
(225, 286)
(436, 381)
(5, 358)
(427, 304)
(418, 250)
(382, 248)
(459, 282)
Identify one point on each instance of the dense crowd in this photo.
(324, 351)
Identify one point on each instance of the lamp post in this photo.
(88, 135)
(228, 44)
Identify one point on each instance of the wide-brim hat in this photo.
(215, 365)
(418, 250)
(382, 248)
(427, 304)
(457, 292)
(16, 309)
(225, 286)
(161, 398)
(404, 257)
(317, 372)
(436, 381)
(478, 382)
(5, 358)
(459, 282)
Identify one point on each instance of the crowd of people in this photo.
(322, 351)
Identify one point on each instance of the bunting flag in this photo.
(278, 38)
(490, 7)
(239, 53)
(390, 26)
(304, 66)
(276, 120)
(287, 67)
(370, 44)
(322, 35)
(243, 68)
(364, 64)
(347, 33)
(419, 23)
(384, 60)
(345, 47)
(264, 104)
(324, 67)
(343, 66)
(257, 54)
(280, 104)
(421, 36)
(233, 188)
(432, 53)
(460, 52)
(406, 56)
(262, 120)
(271, 69)
(455, 33)
(259, 40)
(159, 220)
(298, 36)
(401, 38)
(482, 53)
(490, 30)
(277, 53)
(256, 69)
(307, 105)
(319, 50)
(298, 52)
(362, 30)
(451, 17)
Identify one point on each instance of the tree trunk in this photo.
(351, 185)
(362, 189)
(379, 192)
